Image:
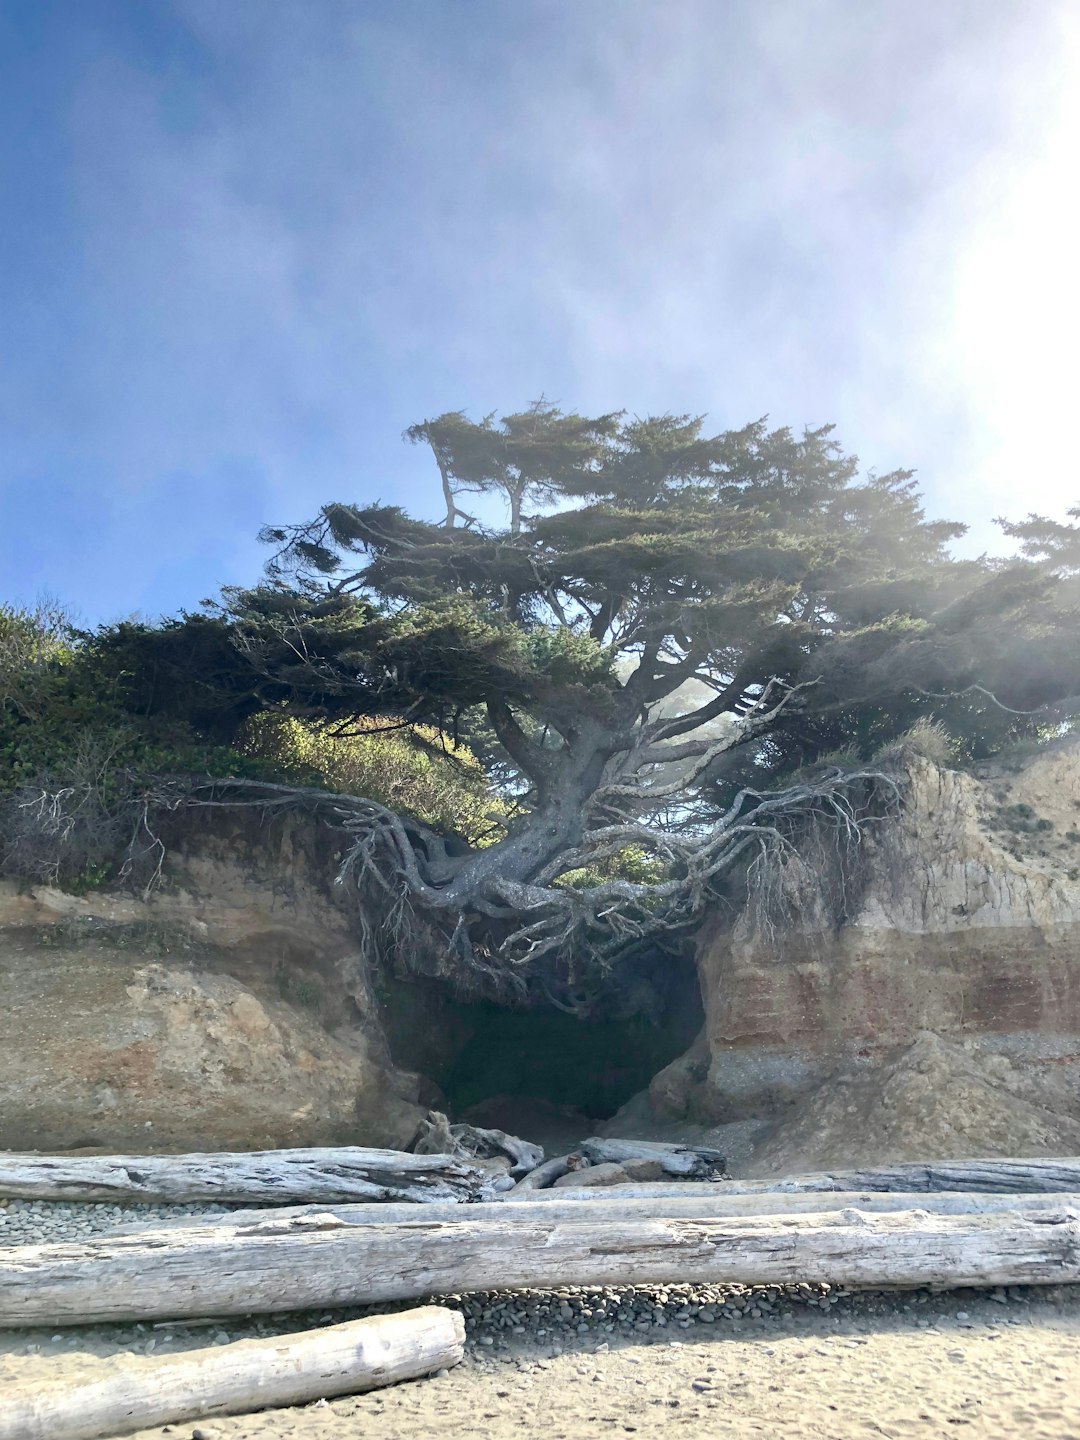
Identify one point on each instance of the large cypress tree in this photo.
(666, 627)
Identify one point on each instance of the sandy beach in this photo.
(873, 1364)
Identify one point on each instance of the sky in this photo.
(245, 243)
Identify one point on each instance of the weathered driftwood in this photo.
(540, 1178)
(675, 1159)
(1008, 1177)
(135, 1392)
(267, 1176)
(438, 1137)
(705, 1204)
(998, 1175)
(321, 1260)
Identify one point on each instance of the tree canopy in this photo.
(665, 628)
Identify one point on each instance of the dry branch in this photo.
(132, 1392)
(320, 1260)
(264, 1176)
(438, 1137)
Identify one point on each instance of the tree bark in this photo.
(132, 1392)
(267, 1176)
(320, 1260)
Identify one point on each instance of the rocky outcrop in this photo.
(930, 1099)
(223, 1011)
(966, 924)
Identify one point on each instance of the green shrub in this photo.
(414, 771)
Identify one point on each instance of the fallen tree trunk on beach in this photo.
(706, 1204)
(321, 1260)
(267, 1176)
(133, 1393)
(1005, 1177)
(1028, 1176)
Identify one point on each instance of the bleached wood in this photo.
(676, 1159)
(133, 1392)
(1011, 1177)
(541, 1177)
(438, 1137)
(1023, 1176)
(705, 1205)
(267, 1176)
(321, 1260)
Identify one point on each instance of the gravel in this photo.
(38, 1222)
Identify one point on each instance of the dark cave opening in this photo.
(491, 1062)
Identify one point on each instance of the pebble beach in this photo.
(728, 1360)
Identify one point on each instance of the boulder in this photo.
(606, 1174)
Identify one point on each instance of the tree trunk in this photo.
(320, 1260)
(675, 1159)
(133, 1393)
(997, 1175)
(1015, 1177)
(267, 1176)
(540, 1178)
(706, 1204)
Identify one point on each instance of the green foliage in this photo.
(416, 772)
(632, 863)
(92, 719)
(750, 556)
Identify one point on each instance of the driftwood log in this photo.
(321, 1260)
(266, 1176)
(1017, 1177)
(675, 1159)
(133, 1392)
(543, 1176)
(705, 1204)
(437, 1136)
(1005, 1177)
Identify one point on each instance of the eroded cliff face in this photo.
(968, 926)
(223, 1011)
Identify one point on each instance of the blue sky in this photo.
(245, 243)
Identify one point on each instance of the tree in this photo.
(644, 666)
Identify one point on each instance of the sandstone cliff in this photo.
(967, 925)
(220, 1012)
(228, 1009)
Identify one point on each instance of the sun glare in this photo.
(1012, 334)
